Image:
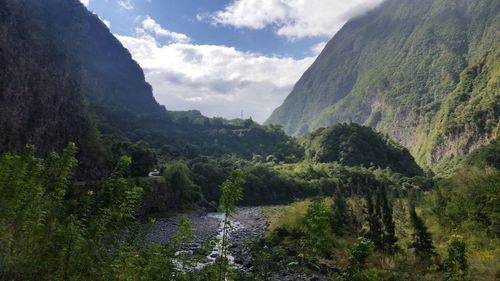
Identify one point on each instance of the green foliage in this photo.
(49, 233)
(455, 263)
(398, 68)
(360, 252)
(375, 227)
(471, 197)
(486, 156)
(268, 259)
(197, 135)
(355, 145)
(382, 230)
(421, 238)
(316, 227)
(389, 235)
(179, 176)
(340, 213)
(263, 185)
(231, 194)
(143, 159)
(468, 115)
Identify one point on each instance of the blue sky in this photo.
(223, 57)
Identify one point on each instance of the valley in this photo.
(382, 164)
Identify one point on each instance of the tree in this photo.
(231, 194)
(339, 212)
(389, 234)
(179, 176)
(455, 263)
(360, 252)
(382, 230)
(373, 217)
(143, 159)
(317, 228)
(421, 238)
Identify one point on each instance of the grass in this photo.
(483, 250)
(286, 216)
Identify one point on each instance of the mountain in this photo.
(404, 69)
(469, 116)
(65, 78)
(61, 70)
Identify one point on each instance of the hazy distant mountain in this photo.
(411, 69)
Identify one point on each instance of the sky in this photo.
(227, 58)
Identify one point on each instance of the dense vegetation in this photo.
(355, 145)
(53, 228)
(67, 78)
(469, 116)
(394, 67)
(355, 205)
(280, 177)
(448, 233)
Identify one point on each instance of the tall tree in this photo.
(421, 238)
(340, 213)
(389, 233)
(373, 216)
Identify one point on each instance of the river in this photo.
(248, 223)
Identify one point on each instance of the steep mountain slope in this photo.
(60, 70)
(64, 77)
(469, 117)
(392, 68)
(41, 96)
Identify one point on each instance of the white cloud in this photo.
(317, 48)
(218, 80)
(85, 2)
(151, 27)
(126, 4)
(293, 18)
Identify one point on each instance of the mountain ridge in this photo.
(392, 68)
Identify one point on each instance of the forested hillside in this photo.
(395, 67)
(99, 182)
(355, 145)
(65, 78)
(469, 116)
(42, 97)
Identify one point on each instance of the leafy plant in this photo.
(455, 263)
(231, 194)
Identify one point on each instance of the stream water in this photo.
(246, 224)
(216, 251)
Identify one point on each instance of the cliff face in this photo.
(394, 69)
(61, 70)
(112, 78)
(469, 116)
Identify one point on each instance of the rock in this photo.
(248, 224)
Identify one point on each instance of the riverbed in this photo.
(248, 223)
